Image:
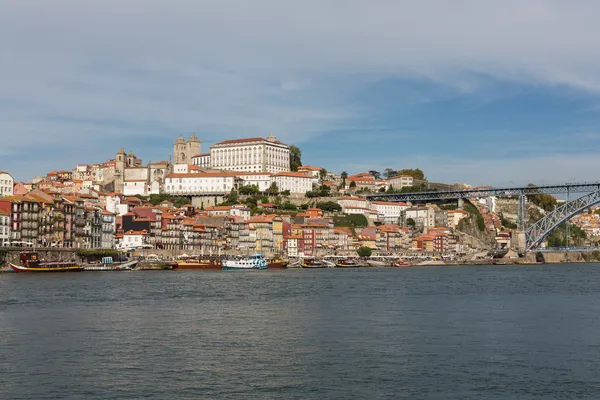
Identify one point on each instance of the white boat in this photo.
(256, 261)
(378, 263)
(110, 266)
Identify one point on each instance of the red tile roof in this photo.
(247, 140)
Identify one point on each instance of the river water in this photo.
(469, 332)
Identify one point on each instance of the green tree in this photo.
(344, 176)
(415, 173)
(364, 251)
(388, 172)
(353, 185)
(411, 222)
(295, 158)
(273, 190)
(249, 190)
(375, 174)
(285, 193)
(322, 175)
(545, 201)
(180, 201)
(330, 206)
(233, 197)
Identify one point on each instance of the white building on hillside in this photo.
(400, 181)
(389, 211)
(295, 182)
(251, 155)
(423, 216)
(353, 202)
(7, 183)
(134, 187)
(201, 160)
(204, 182)
(260, 179)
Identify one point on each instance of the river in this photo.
(468, 332)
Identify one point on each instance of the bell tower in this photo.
(179, 151)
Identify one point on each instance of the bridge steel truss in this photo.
(498, 192)
(536, 233)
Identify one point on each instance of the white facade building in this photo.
(134, 239)
(7, 183)
(354, 203)
(134, 186)
(295, 182)
(205, 182)
(201, 160)
(423, 216)
(4, 228)
(400, 181)
(388, 211)
(261, 179)
(251, 155)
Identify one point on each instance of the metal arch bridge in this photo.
(488, 192)
(535, 234)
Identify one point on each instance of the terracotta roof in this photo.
(202, 175)
(294, 174)
(389, 203)
(202, 155)
(132, 232)
(247, 140)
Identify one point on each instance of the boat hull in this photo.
(277, 264)
(192, 266)
(233, 268)
(20, 269)
(109, 267)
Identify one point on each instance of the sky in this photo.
(477, 91)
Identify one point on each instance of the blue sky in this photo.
(483, 92)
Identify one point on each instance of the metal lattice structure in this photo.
(488, 192)
(536, 233)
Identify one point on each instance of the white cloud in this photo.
(126, 69)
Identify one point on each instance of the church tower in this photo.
(119, 170)
(194, 147)
(179, 151)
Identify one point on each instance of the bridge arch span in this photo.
(538, 232)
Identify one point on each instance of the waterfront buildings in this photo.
(4, 227)
(7, 183)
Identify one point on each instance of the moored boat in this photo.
(378, 263)
(108, 265)
(30, 262)
(347, 263)
(195, 263)
(256, 261)
(402, 263)
(277, 263)
(313, 262)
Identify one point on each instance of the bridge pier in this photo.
(461, 203)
